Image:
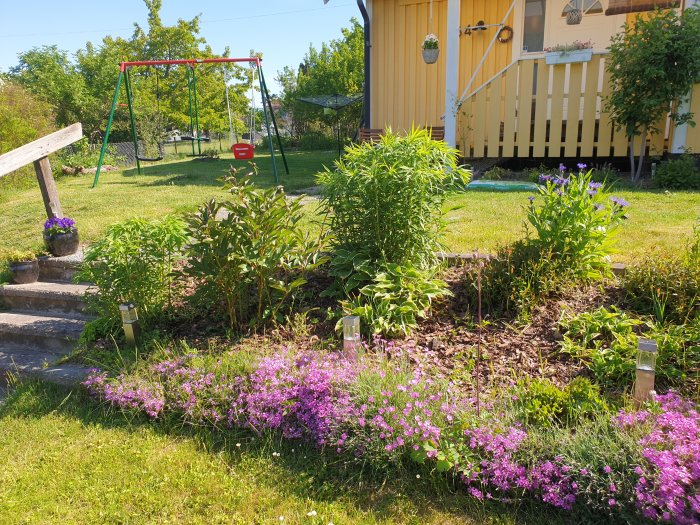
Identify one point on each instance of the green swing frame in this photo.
(193, 107)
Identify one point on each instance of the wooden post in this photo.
(47, 184)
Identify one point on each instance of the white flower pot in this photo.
(558, 57)
(430, 56)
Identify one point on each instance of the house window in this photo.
(587, 7)
(533, 29)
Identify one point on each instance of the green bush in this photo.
(678, 174)
(539, 402)
(395, 299)
(384, 200)
(516, 280)
(80, 155)
(576, 222)
(318, 141)
(668, 287)
(133, 263)
(249, 254)
(606, 341)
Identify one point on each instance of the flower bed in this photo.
(387, 407)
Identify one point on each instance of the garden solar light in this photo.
(646, 370)
(351, 336)
(130, 322)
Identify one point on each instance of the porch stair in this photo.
(40, 323)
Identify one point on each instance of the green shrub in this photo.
(668, 287)
(318, 141)
(576, 222)
(15, 256)
(678, 174)
(606, 342)
(395, 299)
(133, 263)
(678, 360)
(249, 253)
(384, 200)
(80, 155)
(497, 173)
(539, 402)
(516, 280)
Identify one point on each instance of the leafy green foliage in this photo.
(668, 287)
(653, 63)
(539, 402)
(385, 199)
(605, 340)
(15, 256)
(395, 299)
(133, 263)
(338, 67)
(80, 155)
(678, 174)
(516, 280)
(249, 254)
(576, 223)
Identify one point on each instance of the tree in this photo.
(653, 64)
(338, 67)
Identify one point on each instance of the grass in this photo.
(657, 220)
(66, 460)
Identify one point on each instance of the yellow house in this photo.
(493, 87)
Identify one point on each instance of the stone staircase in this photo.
(41, 322)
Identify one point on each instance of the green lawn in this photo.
(65, 460)
(657, 220)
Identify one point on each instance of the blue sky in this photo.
(281, 29)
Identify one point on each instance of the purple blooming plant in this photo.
(668, 487)
(58, 225)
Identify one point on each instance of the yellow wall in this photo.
(406, 90)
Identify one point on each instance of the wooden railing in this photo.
(531, 109)
(38, 152)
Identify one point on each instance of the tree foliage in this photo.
(338, 67)
(81, 89)
(653, 64)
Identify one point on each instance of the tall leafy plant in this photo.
(385, 199)
(653, 64)
(133, 263)
(249, 253)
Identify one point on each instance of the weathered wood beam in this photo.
(39, 149)
(47, 184)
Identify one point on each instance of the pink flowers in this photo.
(668, 485)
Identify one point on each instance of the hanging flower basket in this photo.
(430, 49)
(430, 56)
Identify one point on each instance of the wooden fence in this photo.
(531, 109)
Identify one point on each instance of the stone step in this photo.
(61, 269)
(56, 335)
(30, 362)
(53, 298)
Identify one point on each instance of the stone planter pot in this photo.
(61, 244)
(24, 272)
(430, 56)
(568, 57)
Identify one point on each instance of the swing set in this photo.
(240, 150)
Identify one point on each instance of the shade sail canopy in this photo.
(618, 7)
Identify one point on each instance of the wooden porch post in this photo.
(452, 71)
(47, 185)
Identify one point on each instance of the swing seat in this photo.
(243, 151)
(149, 159)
